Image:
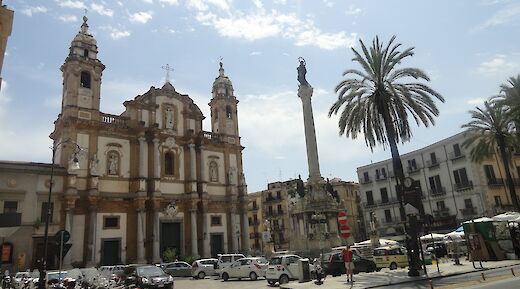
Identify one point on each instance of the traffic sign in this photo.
(61, 236)
(342, 218)
(344, 231)
(64, 250)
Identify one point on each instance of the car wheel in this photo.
(253, 276)
(225, 276)
(201, 275)
(272, 283)
(284, 279)
(393, 266)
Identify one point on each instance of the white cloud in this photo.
(499, 64)
(141, 17)
(328, 3)
(71, 4)
(353, 10)
(4, 98)
(202, 5)
(261, 24)
(254, 53)
(118, 34)
(169, 2)
(506, 15)
(258, 4)
(29, 11)
(68, 18)
(476, 101)
(101, 10)
(148, 1)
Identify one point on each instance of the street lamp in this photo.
(75, 166)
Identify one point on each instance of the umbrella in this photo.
(431, 236)
(508, 216)
(479, 220)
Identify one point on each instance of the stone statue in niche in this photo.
(213, 171)
(94, 165)
(231, 176)
(113, 163)
(168, 118)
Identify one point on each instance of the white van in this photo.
(225, 260)
(283, 268)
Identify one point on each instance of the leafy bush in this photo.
(170, 255)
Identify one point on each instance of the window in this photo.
(226, 259)
(490, 173)
(365, 177)
(435, 184)
(270, 210)
(456, 150)
(213, 171)
(169, 164)
(216, 220)
(279, 195)
(383, 173)
(377, 174)
(461, 178)
(255, 218)
(412, 165)
(280, 209)
(10, 207)
(498, 201)
(111, 222)
(45, 208)
(388, 216)
(229, 112)
(113, 163)
(468, 204)
(250, 221)
(85, 53)
(441, 206)
(384, 195)
(370, 198)
(254, 204)
(433, 158)
(85, 79)
(280, 237)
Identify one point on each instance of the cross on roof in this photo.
(168, 69)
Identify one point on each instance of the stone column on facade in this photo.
(156, 253)
(203, 171)
(193, 162)
(143, 157)
(92, 262)
(141, 229)
(205, 233)
(232, 226)
(67, 259)
(194, 248)
(305, 94)
(245, 232)
(156, 159)
(302, 226)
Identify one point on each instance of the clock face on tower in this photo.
(408, 182)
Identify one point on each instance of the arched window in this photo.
(85, 79)
(169, 162)
(213, 171)
(85, 53)
(229, 112)
(113, 163)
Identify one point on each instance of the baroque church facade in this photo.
(149, 179)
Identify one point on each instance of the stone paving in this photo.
(392, 277)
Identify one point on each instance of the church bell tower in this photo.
(82, 76)
(223, 105)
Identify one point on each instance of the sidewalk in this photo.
(392, 277)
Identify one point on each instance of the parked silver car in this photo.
(203, 267)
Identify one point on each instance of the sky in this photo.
(468, 48)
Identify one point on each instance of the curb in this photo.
(442, 276)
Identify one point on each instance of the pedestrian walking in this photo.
(347, 258)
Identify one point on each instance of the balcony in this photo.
(501, 208)
(432, 164)
(437, 192)
(369, 205)
(412, 169)
(456, 156)
(365, 180)
(270, 200)
(10, 220)
(468, 211)
(254, 223)
(253, 208)
(381, 177)
(381, 203)
(495, 182)
(441, 213)
(464, 186)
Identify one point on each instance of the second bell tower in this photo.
(223, 105)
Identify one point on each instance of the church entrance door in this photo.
(216, 244)
(110, 251)
(170, 237)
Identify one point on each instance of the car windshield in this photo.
(276, 261)
(54, 276)
(261, 261)
(149, 271)
(379, 252)
(22, 274)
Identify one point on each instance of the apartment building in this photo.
(453, 187)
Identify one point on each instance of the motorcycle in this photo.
(319, 272)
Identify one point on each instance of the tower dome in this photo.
(222, 86)
(84, 44)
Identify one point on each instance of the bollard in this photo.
(483, 277)
(431, 284)
(513, 271)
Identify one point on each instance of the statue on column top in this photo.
(302, 71)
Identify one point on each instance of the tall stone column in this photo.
(141, 229)
(305, 94)
(207, 246)
(245, 232)
(156, 253)
(232, 226)
(92, 237)
(156, 159)
(67, 259)
(193, 162)
(194, 248)
(143, 158)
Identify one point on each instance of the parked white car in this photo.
(283, 268)
(203, 267)
(251, 267)
(225, 260)
(20, 278)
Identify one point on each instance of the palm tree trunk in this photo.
(509, 179)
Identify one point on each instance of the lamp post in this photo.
(75, 165)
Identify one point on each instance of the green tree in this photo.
(170, 255)
(510, 97)
(377, 100)
(492, 127)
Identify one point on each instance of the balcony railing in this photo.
(437, 192)
(441, 213)
(114, 119)
(369, 205)
(380, 203)
(432, 164)
(495, 182)
(270, 199)
(381, 177)
(464, 186)
(413, 169)
(468, 211)
(455, 156)
(366, 180)
(253, 208)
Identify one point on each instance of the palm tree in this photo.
(492, 127)
(377, 101)
(510, 97)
